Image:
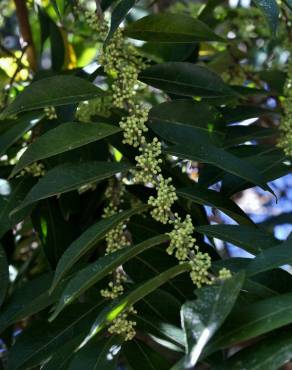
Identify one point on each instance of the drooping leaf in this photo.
(251, 239)
(95, 271)
(118, 15)
(102, 354)
(255, 319)
(119, 305)
(142, 357)
(41, 340)
(168, 27)
(270, 258)
(203, 317)
(186, 79)
(16, 191)
(65, 137)
(18, 128)
(89, 239)
(71, 176)
(55, 91)
(268, 354)
(212, 198)
(4, 275)
(206, 152)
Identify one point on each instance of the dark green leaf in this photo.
(102, 354)
(4, 275)
(142, 357)
(168, 27)
(71, 176)
(65, 137)
(121, 304)
(19, 127)
(88, 240)
(203, 317)
(186, 79)
(270, 258)
(94, 272)
(57, 90)
(208, 153)
(249, 238)
(212, 198)
(270, 10)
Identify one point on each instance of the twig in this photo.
(25, 32)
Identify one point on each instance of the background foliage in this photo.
(210, 81)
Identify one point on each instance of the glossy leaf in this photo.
(94, 272)
(121, 304)
(168, 27)
(102, 354)
(4, 275)
(203, 317)
(186, 79)
(212, 198)
(270, 258)
(56, 91)
(88, 240)
(65, 137)
(71, 176)
(208, 153)
(251, 239)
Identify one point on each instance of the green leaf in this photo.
(142, 357)
(27, 300)
(255, 319)
(65, 137)
(270, 10)
(19, 127)
(183, 121)
(203, 317)
(102, 354)
(268, 354)
(16, 191)
(94, 272)
(270, 258)
(71, 176)
(88, 240)
(118, 15)
(212, 198)
(41, 340)
(4, 275)
(186, 79)
(56, 90)
(168, 27)
(119, 305)
(251, 239)
(205, 152)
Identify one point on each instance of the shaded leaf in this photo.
(88, 240)
(56, 90)
(67, 136)
(168, 27)
(94, 272)
(270, 10)
(4, 275)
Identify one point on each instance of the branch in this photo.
(25, 32)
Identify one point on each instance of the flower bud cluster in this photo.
(115, 288)
(122, 62)
(166, 196)
(35, 169)
(181, 238)
(134, 126)
(123, 326)
(224, 274)
(50, 112)
(201, 264)
(148, 162)
(285, 141)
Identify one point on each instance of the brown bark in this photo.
(25, 32)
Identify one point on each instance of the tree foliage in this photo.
(129, 133)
